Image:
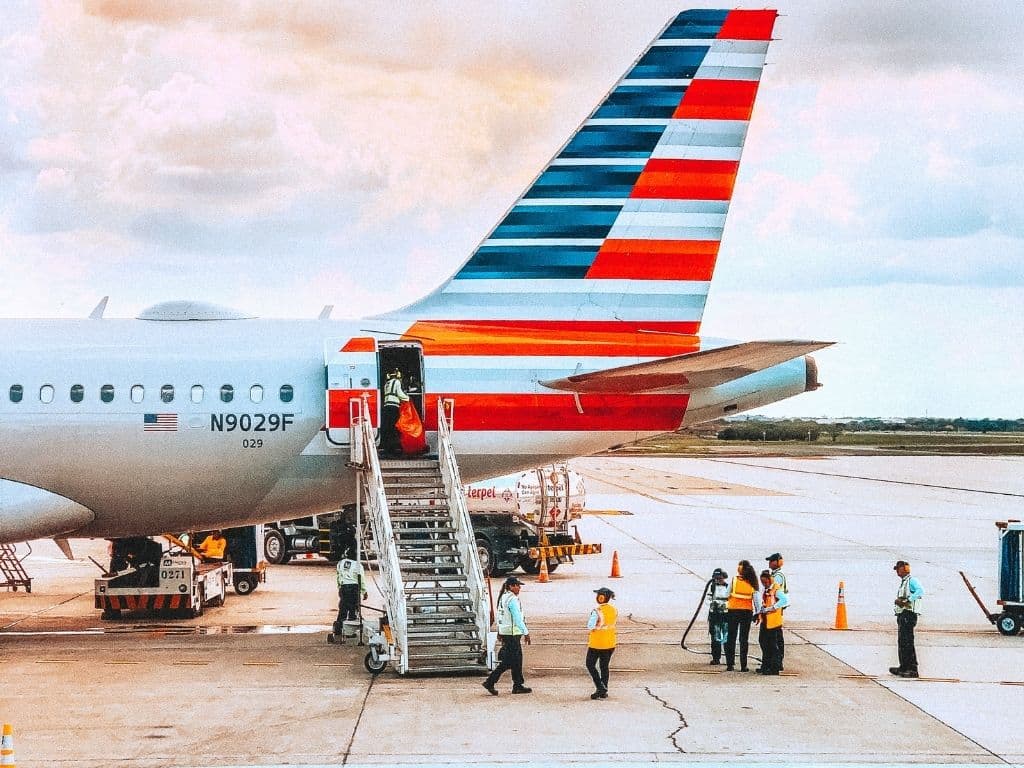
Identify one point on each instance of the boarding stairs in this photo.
(433, 585)
(12, 571)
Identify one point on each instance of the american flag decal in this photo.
(160, 422)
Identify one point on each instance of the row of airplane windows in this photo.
(137, 393)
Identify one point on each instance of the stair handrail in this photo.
(461, 521)
(376, 507)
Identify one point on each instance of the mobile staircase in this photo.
(430, 575)
(12, 572)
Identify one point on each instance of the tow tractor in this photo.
(1011, 580)
(144, 577)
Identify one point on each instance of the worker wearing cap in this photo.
(718, 617)
(773, 602)
(601, 644)
(351, 584)
(394, 396)
(512, 632)
(775, 566)
(907, 606)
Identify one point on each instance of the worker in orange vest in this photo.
(773, 600)
(740, 613)
(602, 641)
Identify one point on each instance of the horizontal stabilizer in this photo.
(689, 372)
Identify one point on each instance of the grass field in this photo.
(846, 444)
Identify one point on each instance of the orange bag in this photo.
(410, 429)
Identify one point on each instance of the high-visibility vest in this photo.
(772, 620)
(602, 636)
(214, 547)
(741, 595)
(505, 624)
(350, 572)
(393, 394)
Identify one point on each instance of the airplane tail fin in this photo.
(621, 230)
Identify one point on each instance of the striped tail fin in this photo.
(620, 232)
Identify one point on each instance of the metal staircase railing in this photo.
(364, 453)
(461, 521)
(12, 572)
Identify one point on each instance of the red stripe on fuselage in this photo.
(748, 25)
(524, 338)
(655, 260)
(718, 100)
(483, 411)
(686, 179)
(338, 406)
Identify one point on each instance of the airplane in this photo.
(572, 328)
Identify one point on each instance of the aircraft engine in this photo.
(32, 513)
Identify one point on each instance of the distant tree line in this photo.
(798, 429)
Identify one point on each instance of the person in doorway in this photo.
(740, 613)
(602, 641)
(512, 632)
(394, 396)
(351, 585)
(775, 564)
(718, 620)
(773, 601)
(213, 547)
(907, 606)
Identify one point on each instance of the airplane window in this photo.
(77, 393)
(138, 392)
(197, 393)
(256, 393)
(16, 393)
(227, 393)
(107, 393)
(167, 393)
(46, 393)
(287, 393)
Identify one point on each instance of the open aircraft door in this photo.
(351, 375)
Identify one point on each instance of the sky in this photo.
(277, 157)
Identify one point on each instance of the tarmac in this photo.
(254, 683)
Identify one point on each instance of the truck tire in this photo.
(276, 547)
(486, 555)
(245, 583)
(1008, 624)
(532, 567)
(200, 606)
(373, 665)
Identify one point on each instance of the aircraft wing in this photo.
(696, 370)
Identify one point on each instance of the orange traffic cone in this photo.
(616, 573)
(841, 609)
(7, 746)
(543, 578)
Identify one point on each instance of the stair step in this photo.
(421, 531)
(475, 668)
(467, 648)
(441, 517)
(450, 655)
(427, 619)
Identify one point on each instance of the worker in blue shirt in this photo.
(512, 632)
(907, 607)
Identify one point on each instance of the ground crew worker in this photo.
(773, 601)
(740, 613)
(907, 607)
(602, 641)
(512, 632)
(213, 546)
(775, 565)
(718, 619)
(394, 396)
(351, 584)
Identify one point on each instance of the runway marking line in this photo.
(261, 663)
(191, 663)
(1011, 682)
(345, 664)
(122, 662)
(55, 661)
(701, 671)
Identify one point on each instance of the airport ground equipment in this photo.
(428, 571)
(174, 583)
(12, 570)
(245, 550)
(1010, 619)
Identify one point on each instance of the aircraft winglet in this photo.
(97, 313)
(697, 370)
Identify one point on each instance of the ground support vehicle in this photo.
(327, 535)
(174, 584)
(245, 550)
(1010, 620)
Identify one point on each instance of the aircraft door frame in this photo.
(351, 374)
(407, 356)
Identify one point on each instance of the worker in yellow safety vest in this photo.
(213, 546)
(773, 600)
(740, 613)
(601, 644)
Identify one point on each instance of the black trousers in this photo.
(770, 641)
(510, 658)
(905, 623)
(390, 442)
(595, 657)
(348, 606)
(739, 627)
